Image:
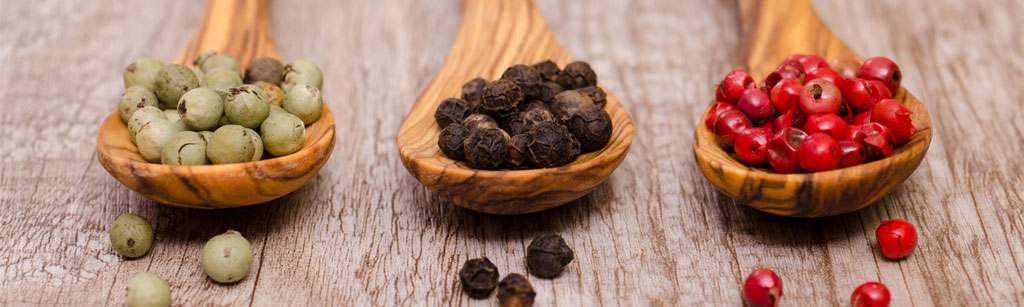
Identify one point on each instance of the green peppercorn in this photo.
(199, 73)
(305, 102)
(185, 148)
(230, 144)
(257, 144)
(274, 93)
(247, 106)
(147, 290)
(302, 72)
(221, 80)
(283, 133)
(210, 60)
(142, 117)
(134, 98)
(227, 258)
(264, 69)
(201, 108)
(131, 235)
(174, 118)
(173, 81)
(142, 72)
(276, 109)
(153, 136)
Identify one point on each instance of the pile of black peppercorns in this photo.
(546, 257)
(534, 116)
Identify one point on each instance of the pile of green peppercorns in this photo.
(226, 258)
(534, 116)
(184, 115)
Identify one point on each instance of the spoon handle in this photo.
(240, 28)
(772, 30)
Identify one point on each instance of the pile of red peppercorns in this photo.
(896, 239)
(811, 116)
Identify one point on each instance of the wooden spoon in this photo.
(493, 36)
(773, 30)
(241, 29)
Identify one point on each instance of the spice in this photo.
(501, 96)
(227, 257)
(153, 136)
(551, 145)
(173, 81)
(147, 290)
(185, 148)
(142, 72)
(596, 94)
(568, 103)
(210, 60)
(515, 291)
(451, 110)
(548, 70)
(577, 75)
(526, 78)
(473, 90)
(548, 255)
(201, 108)
(452, 139)
(479, 277)
(476, 121)
(221, 80)
(133, 99)
(762, 288)
(282, 134)
(131, 235)
(304, 101)
(592, 127)
(247, 106)
(486, 148)
(518, 158)
(548, 91)
(230, 144)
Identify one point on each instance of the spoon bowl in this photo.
(493, 36)
(241, 29)
(773, 30)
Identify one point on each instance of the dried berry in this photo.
(264, 69)
(596, 94)
(577, 75)
(568, 103)
(870, 294)
(501, 96)
(592, 126)
(896, 238)
(548, 91)
(486, 148)
(551, 145)
(762, 288)
(451, 110)
(479, 277)
(515, 291)
(518, 157)
(451, 141)
(548, 255)
(473, 90)
(526, 107)
(476, 121)
(527, 78)
(548, 70)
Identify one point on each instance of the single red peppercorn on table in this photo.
(870, 294)
(896, 238)
(762, 288)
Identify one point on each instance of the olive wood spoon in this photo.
(241, 29)
(771, 31)
(493, 36)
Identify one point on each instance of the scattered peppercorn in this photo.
(515, 291)
(479, 277)
(548, 255)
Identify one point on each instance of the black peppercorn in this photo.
(596, 94)
(501, 96)
(264, 69)
(577, 75)
(451, 110)
(527, 78)
(473, 90)
(551, 145)
(479, 277)
(592, 127)
(452, 139)
(518, 158)
(476, 121)
(526, 107)
(523, 122)
(548, 255)
(486, 148)
(515, 291)
(548, 70)
(568, 103)
(548, 91)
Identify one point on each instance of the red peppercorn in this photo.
(782, 150)
(845, 113)
(792, 70)
(756, 105)
(862, 118)
(717, 109)
(728, 124)
(719, 95)
(847, 66)
(750, 146)
(877, 140)
(820, 96)
(830, 124)
(734, 84)
(762, 288)
(788, 119)
(825, 73)
(882, 69)
(819, 152)
(896, 117)
(810, 62)
(785, 95)
(853, 153)
(870, 294)
(896, 238)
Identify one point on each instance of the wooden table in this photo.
(364, 232)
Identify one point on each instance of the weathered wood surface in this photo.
(364, 232)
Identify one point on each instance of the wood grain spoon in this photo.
(493, 36)
(771, 31)
(240, 29)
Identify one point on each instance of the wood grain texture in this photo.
(773, 30)
(240, 28)
(493, 36)
(364, 232)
